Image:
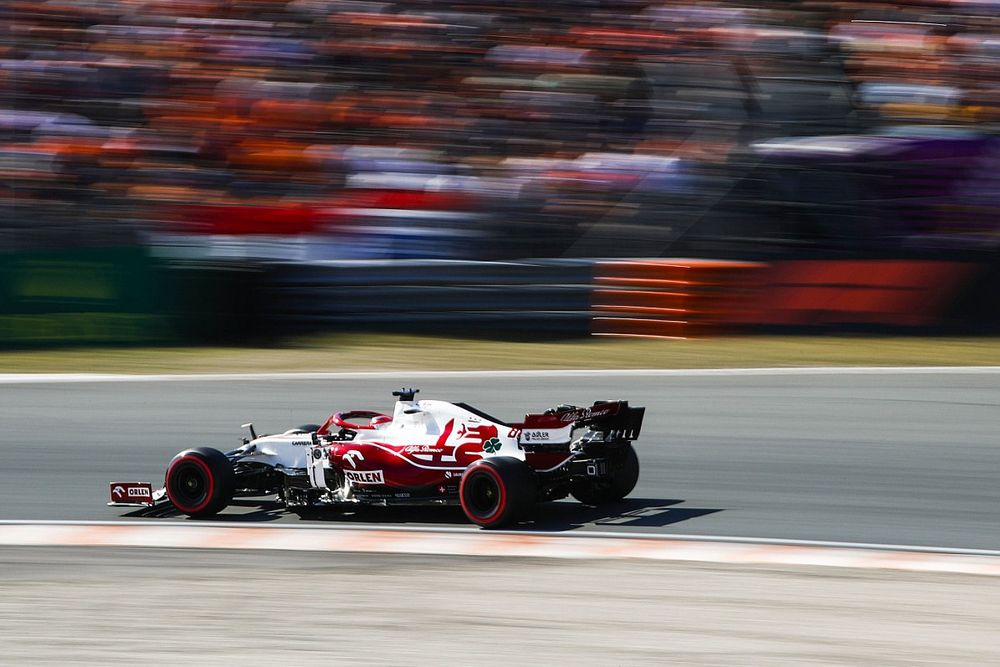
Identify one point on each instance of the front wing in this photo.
(134, 494)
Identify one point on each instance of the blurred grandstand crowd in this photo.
(495, 129)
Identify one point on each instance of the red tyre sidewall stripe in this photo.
(501, 504)
(211, 484)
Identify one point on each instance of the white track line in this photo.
(66, 378)
(477, 531)
(465, 542)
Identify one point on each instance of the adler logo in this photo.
(364, 476)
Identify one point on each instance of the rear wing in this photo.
(626, 425)
(616, 419)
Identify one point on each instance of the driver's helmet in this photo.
(380, 420)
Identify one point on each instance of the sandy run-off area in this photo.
(167, 607)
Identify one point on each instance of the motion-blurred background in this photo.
(191, 170)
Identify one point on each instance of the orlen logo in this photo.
(133, 491)
(364, 476)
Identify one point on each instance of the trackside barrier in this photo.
(643, 297)
(910, 294)
(685, 298)
(670, 298)
(121, 295)
(81, 296)
(544, 297)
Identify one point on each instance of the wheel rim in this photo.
(483, 495)
(188, 484)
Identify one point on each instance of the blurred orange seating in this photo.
(273, 155)
(288, 114)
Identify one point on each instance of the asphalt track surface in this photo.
(890, 458)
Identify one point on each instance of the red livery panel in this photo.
(417, 464)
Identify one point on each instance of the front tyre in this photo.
(497, 491)
(200, 482)
(622, 478)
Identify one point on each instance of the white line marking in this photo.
(485, 543)
(57, 378)
(589, 534)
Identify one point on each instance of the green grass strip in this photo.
(354, 352)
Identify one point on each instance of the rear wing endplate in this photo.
(625, 425)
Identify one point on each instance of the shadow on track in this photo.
(552, 516)
(239, 510)
(630, 512)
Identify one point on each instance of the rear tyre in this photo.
(498, 491)
(200, 481)
(624, 475)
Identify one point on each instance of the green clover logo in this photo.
(492, 445)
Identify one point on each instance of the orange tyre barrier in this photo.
(669, 298)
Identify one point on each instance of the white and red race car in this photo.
(427, 452)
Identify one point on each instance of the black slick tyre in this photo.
(624, 475)
(498, 491)
(200, 481)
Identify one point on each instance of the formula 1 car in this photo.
(427, 452)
